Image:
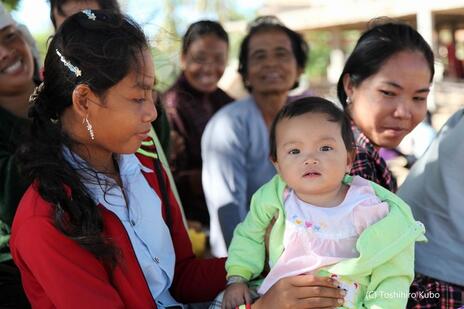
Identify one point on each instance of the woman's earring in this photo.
(89, 127)
(348, 100)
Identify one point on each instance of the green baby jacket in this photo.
(385, 266)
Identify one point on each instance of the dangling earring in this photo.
(348, 100)
(89, 127)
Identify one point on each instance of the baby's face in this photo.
(311, 156)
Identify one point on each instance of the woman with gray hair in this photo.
(235, 143)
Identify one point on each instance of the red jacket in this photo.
(57, 272)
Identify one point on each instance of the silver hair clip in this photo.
(71, 67)
(89, 13)
(37, 90)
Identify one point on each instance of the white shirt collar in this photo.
(128, 164)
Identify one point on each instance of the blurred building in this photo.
(441, 23)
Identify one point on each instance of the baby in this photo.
(326, 222)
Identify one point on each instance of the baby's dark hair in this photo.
(98, 50)
(315, 105)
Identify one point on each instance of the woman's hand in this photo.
(302, 292)
(235, 295)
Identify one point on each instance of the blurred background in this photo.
(331, 27)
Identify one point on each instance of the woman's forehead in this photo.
(276, 33)
(145, 74)
(141, 78)
(272, 37)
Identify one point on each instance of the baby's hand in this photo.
(235, 295)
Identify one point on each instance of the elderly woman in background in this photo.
(235, 144)
(384, 87)
(190, 103)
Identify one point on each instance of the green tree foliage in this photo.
(166, 44)
(42, 41)
(319, 55)
(321, 43)
(10, 4)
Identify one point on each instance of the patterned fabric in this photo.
(217, 303)
(188, 111)
(424, 289)
(369, 164)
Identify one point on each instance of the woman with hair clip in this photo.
(384, 87)
(18, 77)
(62, 9)
(99, 226)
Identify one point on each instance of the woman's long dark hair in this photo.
(105, 49)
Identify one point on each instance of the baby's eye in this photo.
(326, 148)
(294, 151)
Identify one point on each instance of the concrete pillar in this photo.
(425, 23)
(337, 57)
(425, 26)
